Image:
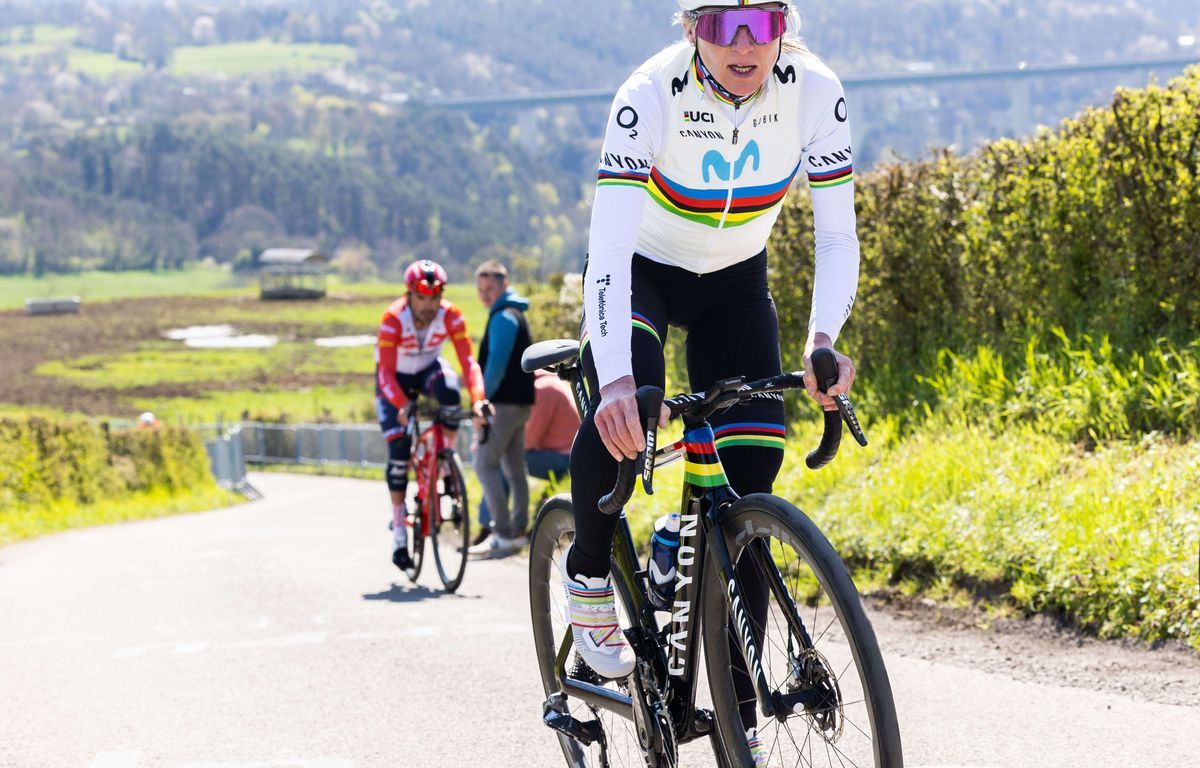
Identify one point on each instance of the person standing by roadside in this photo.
(551, 428)
(510, 391)
(549, 433)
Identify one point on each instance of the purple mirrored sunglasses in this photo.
(720, 27)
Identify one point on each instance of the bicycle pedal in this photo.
(582, 672)
(555, 716)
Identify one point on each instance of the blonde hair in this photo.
(792, 42)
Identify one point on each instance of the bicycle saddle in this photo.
(547, 354)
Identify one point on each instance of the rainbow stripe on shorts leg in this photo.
(701, 464)
(638, 321)
(752, 433)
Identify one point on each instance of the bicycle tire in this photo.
(451, 533)
(416, 531)
(553, 528)
(769, 519)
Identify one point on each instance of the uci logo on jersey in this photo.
(696, 116)
(715, 163)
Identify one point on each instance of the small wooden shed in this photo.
(292, 273)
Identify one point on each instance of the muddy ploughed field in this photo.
(102, 332)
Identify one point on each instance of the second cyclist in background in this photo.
(408, 363)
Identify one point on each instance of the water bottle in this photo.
(664, 544)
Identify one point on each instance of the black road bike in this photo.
(821, 694)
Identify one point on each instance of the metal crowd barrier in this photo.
(349, 445)
(226, 456)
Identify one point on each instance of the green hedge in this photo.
(1093, 228)
(47, 462)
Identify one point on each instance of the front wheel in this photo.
(817, 648)
(450, 525)
(413, 503)
(616, 743)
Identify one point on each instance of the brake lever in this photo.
(851, 418)
(649, 400)
(824, 366)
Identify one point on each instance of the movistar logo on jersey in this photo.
(714, 163)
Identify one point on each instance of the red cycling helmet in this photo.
(425, 277)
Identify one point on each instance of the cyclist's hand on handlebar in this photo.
(617, 419)
(846, 373)
(483, 411)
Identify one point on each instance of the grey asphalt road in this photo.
(276, 634)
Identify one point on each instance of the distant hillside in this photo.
(148, 134)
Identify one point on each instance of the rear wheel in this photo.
(451, 529)
(553, 532)
(815, 645)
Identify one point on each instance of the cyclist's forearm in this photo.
(835, 280)
(616, 216)
(389, 386)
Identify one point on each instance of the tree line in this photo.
(161, 195)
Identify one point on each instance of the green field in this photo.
(43, 35)
(102, 286)
(260, 56)
(42, 39)
(112, 360)
(232, 59)
(100, 64)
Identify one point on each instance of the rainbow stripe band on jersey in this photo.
(625, 178)
(702, 465)
(832, 178)
(707, 206)
(751, 433)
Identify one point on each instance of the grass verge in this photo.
(1105, 540)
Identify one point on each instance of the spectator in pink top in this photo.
(549, 433)
(551, 427)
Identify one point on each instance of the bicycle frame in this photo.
(435, 439)
(705, 494)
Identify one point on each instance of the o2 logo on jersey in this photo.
(714, 163)
(627, 118)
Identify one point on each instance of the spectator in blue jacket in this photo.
(510, 391)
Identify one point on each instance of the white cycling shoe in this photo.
(592, 612)
(757, 751)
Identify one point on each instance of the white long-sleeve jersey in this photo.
(688, 178)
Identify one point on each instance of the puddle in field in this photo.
(346, 341)
(220, 337)
(200, 332)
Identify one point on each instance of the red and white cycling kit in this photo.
(692, 180)
(402, 349)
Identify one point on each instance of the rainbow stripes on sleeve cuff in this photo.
(624, 178)
(831, 178)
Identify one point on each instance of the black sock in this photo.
(579, 564)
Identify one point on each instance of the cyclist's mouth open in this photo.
(741, 71)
